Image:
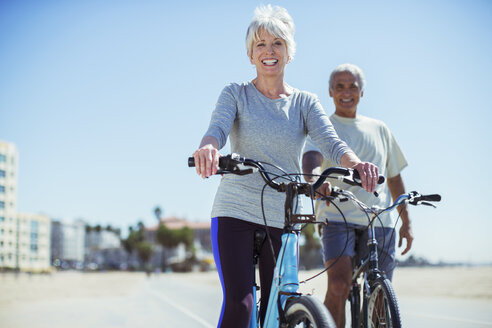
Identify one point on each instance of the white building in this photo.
(101, 239)
(24, 238)
(68, 241)
(8, 205)
(33, 242)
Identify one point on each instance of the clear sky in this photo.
(105, 100)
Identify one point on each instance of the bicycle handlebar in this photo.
(353, 177)
(417, 199)
(229, 164)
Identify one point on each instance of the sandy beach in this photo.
(430, 297)
(459, 282)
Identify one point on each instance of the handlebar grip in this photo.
(431, 198)
(222, 162)
(225, 162)
(191, 161)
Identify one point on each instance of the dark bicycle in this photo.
(380, 306)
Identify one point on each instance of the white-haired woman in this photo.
(268, 120)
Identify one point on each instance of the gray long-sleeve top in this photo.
(271, 131)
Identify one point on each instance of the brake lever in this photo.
(356, 182)
(223, 172)
(427, 204)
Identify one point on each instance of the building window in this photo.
(3, 158)
(2, 204)
(34, 236)
(2, 218)
(2, 174)
(2, 189)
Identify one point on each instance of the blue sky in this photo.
(105, 100)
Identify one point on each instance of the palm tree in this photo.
(157, 213)
(134, 239)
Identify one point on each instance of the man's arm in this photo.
(397, 188)
(311, 164)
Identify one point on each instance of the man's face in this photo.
(346, 93)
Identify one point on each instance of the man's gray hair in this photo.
(351, 68)
(276, 21)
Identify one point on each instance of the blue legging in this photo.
(232, 242)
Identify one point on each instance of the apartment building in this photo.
(68, 243)
(8, 205)
(24, 238)
(103, 248)
(33, 242)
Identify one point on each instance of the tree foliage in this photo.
(145, 251)
(171, 238)
(135, 241)
(312, 243)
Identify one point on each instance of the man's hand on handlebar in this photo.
(325, 191)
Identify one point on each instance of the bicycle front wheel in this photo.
(382, 306)
(307, 311)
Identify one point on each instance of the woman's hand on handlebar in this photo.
(369, 175)
(206, 160)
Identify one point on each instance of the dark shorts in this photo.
(340, 239)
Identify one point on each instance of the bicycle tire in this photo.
(307, 311)
(382, 306)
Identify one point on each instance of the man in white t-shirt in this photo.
(373, 142)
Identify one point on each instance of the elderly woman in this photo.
(267, 120)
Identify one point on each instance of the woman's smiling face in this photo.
(269, 54)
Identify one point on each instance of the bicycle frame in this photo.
(285, 281)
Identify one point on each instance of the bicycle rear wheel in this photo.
(382, 305)
(307, 311)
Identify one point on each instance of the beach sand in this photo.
(457, 282)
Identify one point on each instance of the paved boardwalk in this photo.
(431, 297)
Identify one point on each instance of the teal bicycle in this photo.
(286, 306)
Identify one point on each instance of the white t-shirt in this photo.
(373, 142)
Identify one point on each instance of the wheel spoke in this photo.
(381, 317)
(382, 306)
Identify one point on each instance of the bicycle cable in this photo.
(337, 258)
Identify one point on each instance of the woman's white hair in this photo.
(276, 21)
(351, 68)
